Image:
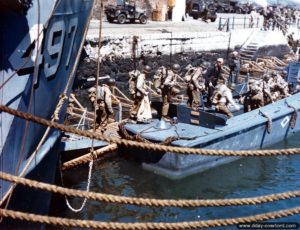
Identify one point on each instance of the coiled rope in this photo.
(146, 201)
(150, 146)
(179, 225)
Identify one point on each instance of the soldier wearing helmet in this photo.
(222, 98)
(159, 77)
(211, 78)
(140, 93)
(103, 103)
(234, 66)
(169, 89)
(280, 87)
(266, 83)
(196, 85)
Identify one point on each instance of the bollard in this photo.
(220, 23)
(245, 22)
(232, 24)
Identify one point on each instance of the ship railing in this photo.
(80, 125)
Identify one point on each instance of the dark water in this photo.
(248, 177)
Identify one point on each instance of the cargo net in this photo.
(64, 222)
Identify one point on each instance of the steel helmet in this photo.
(284, 73)
(176, 67)
(147, 69)
(274, 73)
(111, 81)
(205, 65)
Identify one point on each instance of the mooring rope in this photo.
(182, 203)
(88, 157)
(57, 221)
(56, 112)
(151, 146)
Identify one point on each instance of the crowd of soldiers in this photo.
(272, 87)
(279, 18)
(199, 80)
(202, 81)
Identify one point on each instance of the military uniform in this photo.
(103, 105)
(222, 97)
(211, 78)
(196, 85)
(234, 66)
(139, 92)
(280, 85)
(256, 95)
(159, 77)
(266, 83)
(168, 90)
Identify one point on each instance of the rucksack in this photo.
(133, 75)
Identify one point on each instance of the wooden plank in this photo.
(195, 122)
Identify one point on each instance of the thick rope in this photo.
(179, 225)
(269, 123)
(146, 201)
(294, 116)
(57, 109)
(148, 146)
(88, 157)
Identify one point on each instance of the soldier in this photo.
(280, 87)
(132, 82)
(159, 77)
(234, 66)
(211, 79)
(256, 94)
(285, 84)
(267, 82)
(168, 89)
(222, 97)
(140, 92)
(196, 85)
(103, 103)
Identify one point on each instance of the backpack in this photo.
(133, 75)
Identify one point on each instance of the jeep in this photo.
(200, 9)
(125, 11)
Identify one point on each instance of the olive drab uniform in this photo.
(159, 78)
(256, 95)
(133, 75)
(211, 79)
(234, 66)
(139, 98)
(280, 86)
(168, 90)
(221, 98)
(267, 95)
(103, 105)
(132, 82)
(195, 87)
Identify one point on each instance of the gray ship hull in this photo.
(40, 47)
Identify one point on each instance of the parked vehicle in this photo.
(125, 11)
(201, 9)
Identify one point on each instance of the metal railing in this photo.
(231, 23)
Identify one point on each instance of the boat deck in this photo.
(112, 130)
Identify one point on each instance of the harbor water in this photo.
(247, 177)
